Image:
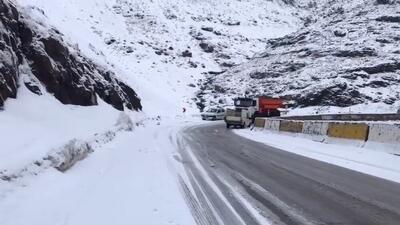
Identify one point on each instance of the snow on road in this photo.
(131, 180)
(375, 163)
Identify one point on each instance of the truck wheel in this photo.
(227, 126)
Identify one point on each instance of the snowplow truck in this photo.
(269, 107)
(247, 109)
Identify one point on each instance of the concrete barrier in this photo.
(259, 122)
(385, 133)
(271, 124)
(356, 131)
(315, 128)
(347, 117)
(291, 126)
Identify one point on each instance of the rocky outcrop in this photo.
(50, 62)
(347, 56)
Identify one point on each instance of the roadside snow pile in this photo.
(70, 154)
(375, 163)
(129, 180)
(39, 132)
(348, 54)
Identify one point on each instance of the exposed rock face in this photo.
(348, 55)
(69, 76)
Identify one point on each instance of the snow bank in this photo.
(33, 126)
(127, 181)
(70, 154)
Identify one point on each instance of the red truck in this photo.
(269, 107)
(247, 109)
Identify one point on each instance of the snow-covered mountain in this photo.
(62, 61)
(347, 54)
(163, 48)
(196, 53)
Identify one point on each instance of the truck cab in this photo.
(243, 114)
(247, 109)
(238, 117)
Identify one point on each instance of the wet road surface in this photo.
(233, 180)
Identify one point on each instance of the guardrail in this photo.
(346, 117)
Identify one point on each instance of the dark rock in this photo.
(223, 56)
(55, 49)
(193, 64)
(227, 64)
(197, 35)
(292, 67)
(336, 95)
(355, 75)
(390, 101)
(186, 53)
(232, 23)
(378, 84)
(216, 72)
(356, 53)
(383, 41)
(389, 19)
(110, 41)
(380, 68)
(33, 88)
(384, 2)
(339, 33)
(219, 89)
(263, 75)
(129, 50)
(287, 40)
(206, 47)
(208, 29)
(218, 33)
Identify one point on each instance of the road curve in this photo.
(233, 180)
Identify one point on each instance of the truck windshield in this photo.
(234, 112)
(244, 102)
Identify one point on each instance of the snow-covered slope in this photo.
(161, 48)
(348, 54)
(95, 52)
(35, 55)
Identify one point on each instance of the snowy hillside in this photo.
(74, 63)
(348, 54)
(36, 55)
(161, 48)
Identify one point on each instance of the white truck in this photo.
(243, 114)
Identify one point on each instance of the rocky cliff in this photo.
(35, 55)
(347, 53)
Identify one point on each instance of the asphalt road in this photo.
(233, 180)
